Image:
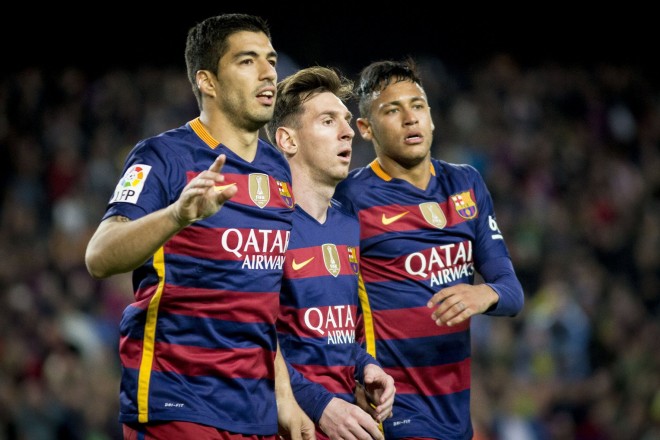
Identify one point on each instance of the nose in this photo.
(268, 71)
(409, 117)
(348, 132)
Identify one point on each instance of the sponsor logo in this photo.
(334, 322)
(298, 266)
(389, 220)
(258, 248)
(442, 265)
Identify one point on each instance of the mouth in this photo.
(267, 96)
(413, 138)
(345, 153)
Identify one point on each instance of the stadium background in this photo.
(560, 112)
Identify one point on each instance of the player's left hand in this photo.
(458, 303)
(380, 390)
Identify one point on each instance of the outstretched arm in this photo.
(120, 245)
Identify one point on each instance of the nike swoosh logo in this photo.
(298, 266)
(221, 188)
(390, 220)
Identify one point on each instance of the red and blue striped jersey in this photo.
(318, 328)
(199, 342)
(413, 243)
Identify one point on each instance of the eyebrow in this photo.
(398, 102)
(253, 53)
(337, 114)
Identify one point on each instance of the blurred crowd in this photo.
(572, 158)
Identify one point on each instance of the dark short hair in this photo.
(380, 74)
(207, 42)
(294, 90)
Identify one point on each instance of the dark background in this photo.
(338, 34)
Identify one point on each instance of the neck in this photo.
(240, 140)
(418, 174)
(312, 196)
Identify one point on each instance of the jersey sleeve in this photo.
(151, 180)
(501, 277)
(492, 256)
(311, 396)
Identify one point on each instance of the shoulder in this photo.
(443, 167)
(360, 173)
(456, 171)
(355, 181)
(343, 210)
(269, 149)
(268, 153)
(168, 142)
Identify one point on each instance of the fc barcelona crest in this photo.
(285, 193)
(331, 259)
(352, 258)
(464, 205)
(433, 214)
(259, 189)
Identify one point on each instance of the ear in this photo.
(205, 83)
(285, 138)
(365, 128)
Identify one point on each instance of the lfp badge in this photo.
(131, 184)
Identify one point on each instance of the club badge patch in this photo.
(352, 258)
(464, 205)
(131, 184)
(259, 187)
(433, 214)
(331, 259)
(285, 193)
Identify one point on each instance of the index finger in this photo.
(217, 164)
